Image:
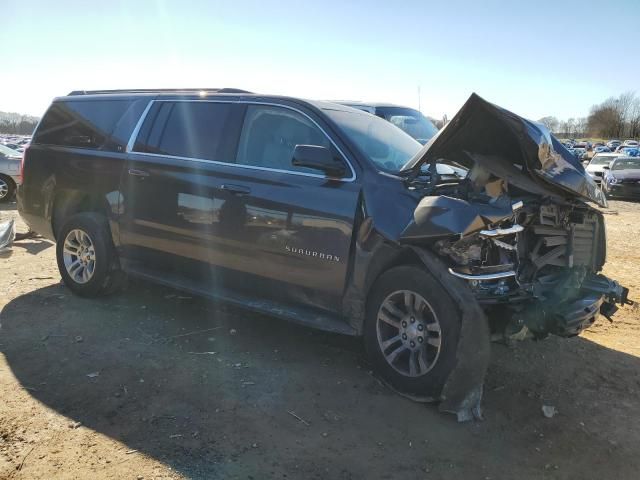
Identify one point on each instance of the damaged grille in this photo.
(567, 239)
(572, 245)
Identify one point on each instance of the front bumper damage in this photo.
(516, 242)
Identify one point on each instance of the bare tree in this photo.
(571, 127)
(633, 119)
(550, 122)
(581, 127)
(615, 117)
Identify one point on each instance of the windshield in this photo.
(626, 164)
(388, 147)
(601, 160)
(8, 152)
(411, 121)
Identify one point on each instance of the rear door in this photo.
(169, 185)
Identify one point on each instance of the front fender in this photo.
(462, 392)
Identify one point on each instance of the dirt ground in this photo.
(122, 387)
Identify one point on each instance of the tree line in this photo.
(17, 124)
(616, 117)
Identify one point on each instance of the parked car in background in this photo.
(630, 143)
(622, 178)
(9, 172)
(580, 152)
(12, 146)
(598, 164)
(601, 149)
(629, 151)
(407, 119)
(613, 144)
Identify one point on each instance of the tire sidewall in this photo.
(419, 280)
(96, 227)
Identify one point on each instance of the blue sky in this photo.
(534, 58)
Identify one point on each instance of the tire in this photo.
(439, 322)
(7, 188)
(86, 256)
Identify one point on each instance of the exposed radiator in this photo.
(577, 240)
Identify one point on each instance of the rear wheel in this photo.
(411, 331)
(7, 188)
(86, 257)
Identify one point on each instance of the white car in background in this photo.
(596, 166)
(10, 178)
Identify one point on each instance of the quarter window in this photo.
(81, 123)
(270, 134)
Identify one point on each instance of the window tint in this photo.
(203, 130)
(86, 124)
(270, 134)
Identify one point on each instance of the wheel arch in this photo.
(68, 202)
(369, 265)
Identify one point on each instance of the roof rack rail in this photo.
(157, 90)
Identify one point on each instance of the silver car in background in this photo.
(9, 172)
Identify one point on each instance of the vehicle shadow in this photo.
(33, 246)
(216, 392)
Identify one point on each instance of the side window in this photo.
(203, 130)
(85, 124)
(270, 134)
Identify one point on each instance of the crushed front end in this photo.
(520, 228)
(537, 272)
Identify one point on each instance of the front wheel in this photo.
(86, 257)
(411, 331)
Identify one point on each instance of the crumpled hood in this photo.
(503, 141)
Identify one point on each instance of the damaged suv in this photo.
(330, 217)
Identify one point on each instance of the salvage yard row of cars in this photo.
(330, 216)
(583, 149)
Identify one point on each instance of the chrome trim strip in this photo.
(136, 131)
(483, 276)
(500, 232)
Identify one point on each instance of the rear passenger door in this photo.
(284, 231)
(167, 225)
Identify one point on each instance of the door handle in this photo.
(138, 173)
(235, 189)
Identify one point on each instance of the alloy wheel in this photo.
(409, 333)
(79, 256)
(4, 188)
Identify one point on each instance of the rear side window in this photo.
(202, 130)
(84, 124)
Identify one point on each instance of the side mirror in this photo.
(606, 167)
(318, 158)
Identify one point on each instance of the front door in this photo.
(285, 231)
